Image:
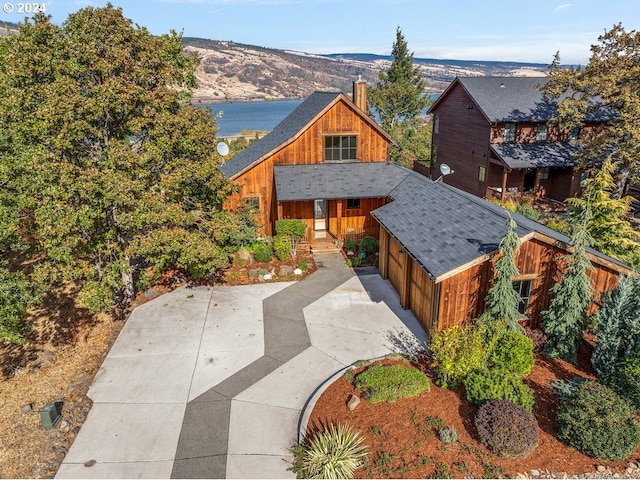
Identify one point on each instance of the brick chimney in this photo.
(360, 94)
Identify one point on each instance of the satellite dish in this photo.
(444, 170)
(223, 149)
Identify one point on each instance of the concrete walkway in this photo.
(212, 382)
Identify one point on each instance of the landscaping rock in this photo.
(297, 271)
(285, 270)
(245, 255)
(601, 469)
(27, 408)
(353, 402)
(151, 293)
(535, 473)
(261, 278)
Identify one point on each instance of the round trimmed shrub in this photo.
(387, 383)
(598, 422)
(513, 352)
(484, 385)
(369, 245)
(507, 429)
(625, 380)
(262, 252)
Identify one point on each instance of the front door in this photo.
(319, 217)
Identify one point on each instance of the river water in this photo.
(240, 116)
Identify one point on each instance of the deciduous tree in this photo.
(107, 170)
(611, 80)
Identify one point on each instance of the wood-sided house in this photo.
(438, 245)
(498, 135)
(325, 163)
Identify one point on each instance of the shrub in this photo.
(513, 352)
(17, 294)
(598, 422)
(282, 247)
(387, 383)
(506, 428)
(350, 243)
(448, 435)
(484, 385)
(625, 380)
(538, 338)
(334, 453)
(262, 252)
(456, 352)
(369, 245)
(527, 211)
(291, 229)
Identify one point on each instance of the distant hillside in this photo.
(232, 71)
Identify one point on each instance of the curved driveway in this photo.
(211, 382)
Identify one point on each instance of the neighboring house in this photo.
(438, 245)
(325, 163)
(498, 136)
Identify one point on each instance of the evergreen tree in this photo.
(608, 226)
(502, 299)
(399, 98)
(563, 322)
(108, 172)
(621, 306)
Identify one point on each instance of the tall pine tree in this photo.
(564, 321)
(399, 98)
(502, 299)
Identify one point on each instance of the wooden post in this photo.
(505, 173)
(339, 205)
(536, 183)
(406, 280)
(383, 249)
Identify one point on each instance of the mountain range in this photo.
(231, 72)
(236, 72)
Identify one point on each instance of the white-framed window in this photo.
(509, 132)
(340, 148)
(482, 173)
(541, 132)
(544, 173)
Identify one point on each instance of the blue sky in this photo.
(451, 29)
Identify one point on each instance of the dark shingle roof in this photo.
(510, 98)
(535, 155)
(517, 99)
(337, 180)
(284, 131)
(444, 228)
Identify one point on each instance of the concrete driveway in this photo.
(212, 382)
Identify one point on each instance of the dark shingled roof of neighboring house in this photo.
(337, 180)
(514, 99)
(444, 228)
(535, 155)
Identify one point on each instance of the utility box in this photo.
(50, 416)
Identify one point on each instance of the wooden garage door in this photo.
(395, 264)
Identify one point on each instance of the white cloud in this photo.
(564, 6)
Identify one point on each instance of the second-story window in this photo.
(509, 132)
(436, 124)
(544, 173)
(541, 132)
(340, 148)
(574, 133)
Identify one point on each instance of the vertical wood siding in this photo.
(308, 148)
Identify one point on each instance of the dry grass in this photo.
(58, 363)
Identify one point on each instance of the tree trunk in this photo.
(128, 290)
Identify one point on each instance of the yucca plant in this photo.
(336, 452)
